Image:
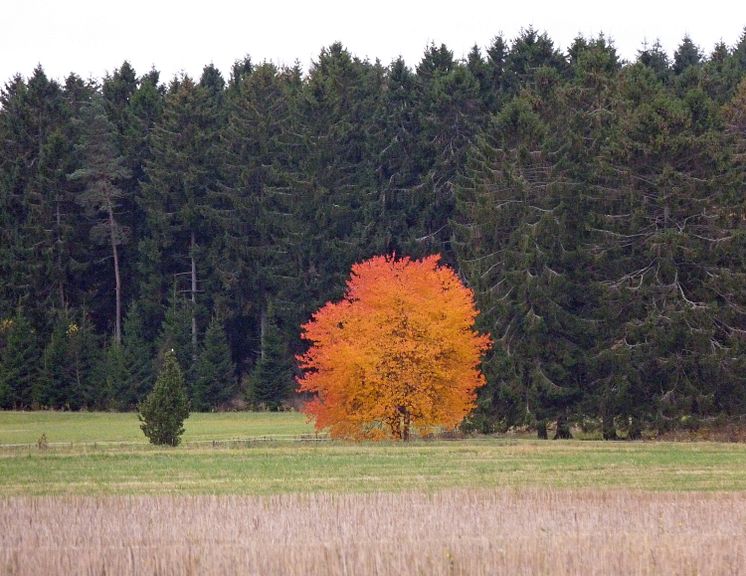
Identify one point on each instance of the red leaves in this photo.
(397, 353)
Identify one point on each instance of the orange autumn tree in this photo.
(397, 353)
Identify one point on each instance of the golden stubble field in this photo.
(456, 531)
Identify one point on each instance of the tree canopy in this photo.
(398, 353)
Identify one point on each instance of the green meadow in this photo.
(271, 453)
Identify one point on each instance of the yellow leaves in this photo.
(397, 353)
(6, 325)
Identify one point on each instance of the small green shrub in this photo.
(164, 410)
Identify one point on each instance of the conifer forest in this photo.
(595, 206)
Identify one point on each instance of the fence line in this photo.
(224, 443)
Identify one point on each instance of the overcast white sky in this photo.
(91, 37)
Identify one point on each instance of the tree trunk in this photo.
(60, 273)
(194, 296)
(563, 429)
(635, 429)
(541, 430)
(263, 333)
(401, 424)
(609, 430)
(117, 279)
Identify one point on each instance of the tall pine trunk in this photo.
(60, 268)
(263, 333)
(117, 278)
(192, 249)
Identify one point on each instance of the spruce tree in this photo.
(337, 193)
(686, 55)
(255, 256)
(138, 355)
(164, 410)
(176, 335)
(531, 57)
(19, 362)
(114, 375)
(214, 378)
(446, 88)
(83, 360)
(45, 248)
(178, 195)
(56, 385)
(271, 379)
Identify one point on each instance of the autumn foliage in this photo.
(398, 353)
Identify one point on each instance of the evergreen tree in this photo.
(397, 165)
(532, 57)
(261, 182)
(669, 292)
(102, 167)
(739, 53)
(655, 58)
(241, 68)
(720, 74)
(114, 376)
(271, 379)
(215, 378)
(19, 362)
(524, 244)
(56, 387)
(41, 248)
(686, 55)
(139, 361)
(338, 104)
(447, 89)
(70, 363)
(164, 410)
(176, 335)
(177, 196)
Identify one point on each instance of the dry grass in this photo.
(526, 531)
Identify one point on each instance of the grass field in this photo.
(251, 493)
(283, 465)
(90, 427)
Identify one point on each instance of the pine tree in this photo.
(522, 239)
(686, 55)
(69, 376)
(214, 373)
(164, 410)
(42, 247)
(531, 59)
(178, 195)
(271, 379)
(114, 375)
(56, 385)
(102, 168)
(176, 335)
(337, 109)
(662, 224)
(83, 360)
(138, 355)
(396, 162)
(257, 255)
(655, 58)
(19, 362)
(446, 90)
